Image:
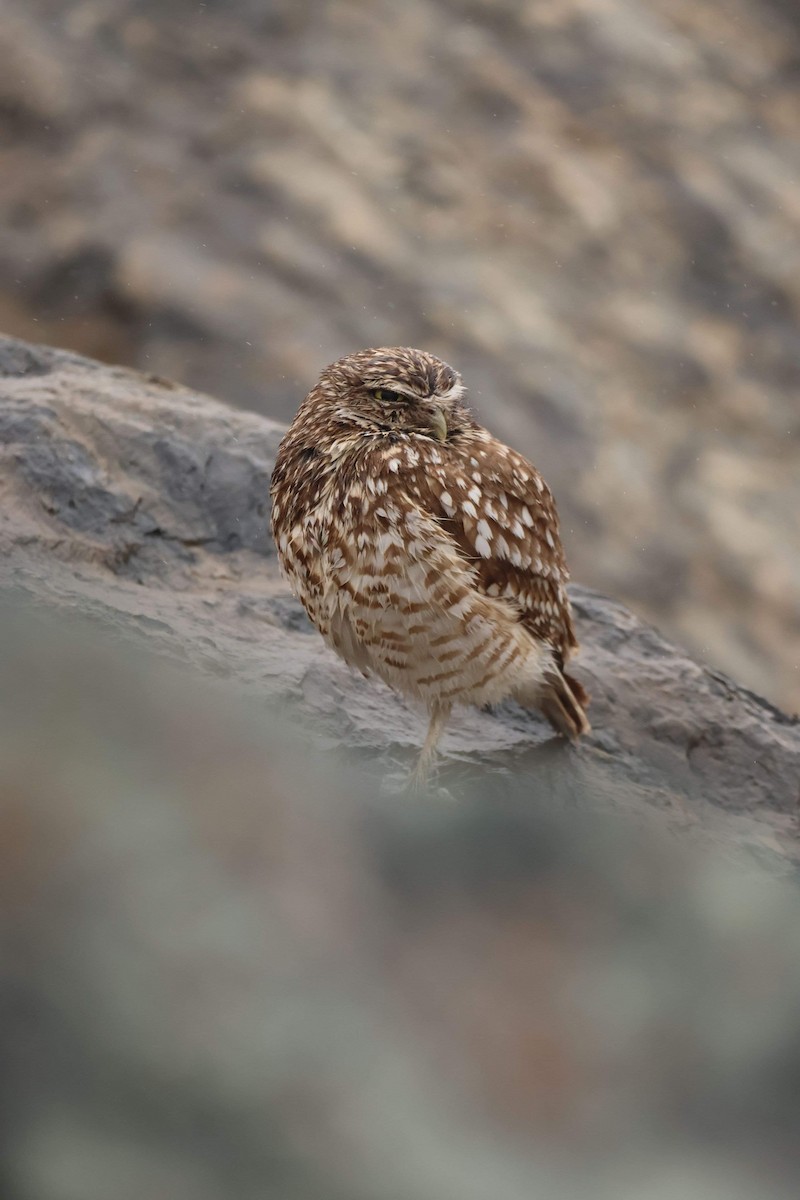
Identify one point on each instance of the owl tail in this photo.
(562, 702)
(562, 699)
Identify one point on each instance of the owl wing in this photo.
(502, 516)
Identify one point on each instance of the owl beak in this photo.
(438, 423)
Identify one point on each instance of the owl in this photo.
(425, 551)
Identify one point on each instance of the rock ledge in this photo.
(145, 506)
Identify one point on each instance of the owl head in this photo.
(395, 389)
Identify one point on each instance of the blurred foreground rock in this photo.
(231, 969)
(144, 507)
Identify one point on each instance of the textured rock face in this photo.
(589, 208)
(234, 966)
(144, 506)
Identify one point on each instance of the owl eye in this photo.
(386, 394)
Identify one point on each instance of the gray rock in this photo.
(145, 506)
(589, 208)
(239, 961)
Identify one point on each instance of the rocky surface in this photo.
(144, 506)
(230, 969)
(589, 208)
(236, 964)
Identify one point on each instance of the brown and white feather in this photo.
(434, 563)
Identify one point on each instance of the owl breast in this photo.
(389, 589)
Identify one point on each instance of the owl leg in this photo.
(439, 716)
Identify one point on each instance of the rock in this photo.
(238, 961)
(230, 969)
(589, 208)
(144, 506)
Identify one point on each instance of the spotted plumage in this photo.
(425, 551)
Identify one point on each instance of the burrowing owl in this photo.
(423, 550)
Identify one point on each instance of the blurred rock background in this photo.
(591, 207)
